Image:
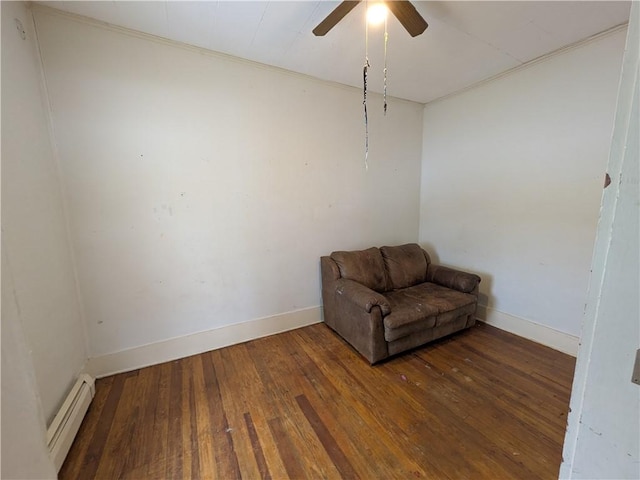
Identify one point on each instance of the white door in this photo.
(603, 434)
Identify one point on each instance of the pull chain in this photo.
(366, 120)
(386, 39)
(365, 70)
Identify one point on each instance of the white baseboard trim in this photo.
(196, 343)
(65, 425)
(522, 327)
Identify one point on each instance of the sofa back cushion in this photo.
(406, 265)
(362, 266)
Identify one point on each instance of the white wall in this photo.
(512, 177)
(203, 189)
(24, 452)
(34, 233)
(603, 434)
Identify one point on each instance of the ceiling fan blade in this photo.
(334, 17)
(408, 16)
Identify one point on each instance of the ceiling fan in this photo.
(406, 13)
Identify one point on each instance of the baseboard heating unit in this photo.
(66, 423)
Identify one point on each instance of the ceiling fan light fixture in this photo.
(377, 14)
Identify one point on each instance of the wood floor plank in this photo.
(283, 383)
(526, 354)
(258, 453)
(146, 399)
(481, 413)
(248, 394)
(127, 415)
(287, 449)
(535, 402)
(344, 424)
(521, 365)
(81, 460)
(97, 444)
(516, 412)
(156, 458)
(349, 404)
(441, 437)
(338, 457)
(220, 433)
(190, 446)
(173, 460)
(231, 374)
(210, 427)
(453, 435)
(480, 404)
(331, 412)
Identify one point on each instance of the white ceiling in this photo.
(466, 42)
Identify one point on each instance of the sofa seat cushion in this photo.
(452, 315)
(426, 305)
(442, 298)
(362, 266)
(407, 315)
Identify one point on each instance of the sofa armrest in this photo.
(362, 296)
(451, 278)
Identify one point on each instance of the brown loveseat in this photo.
(388, 300)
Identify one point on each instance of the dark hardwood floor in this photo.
(302, 404)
